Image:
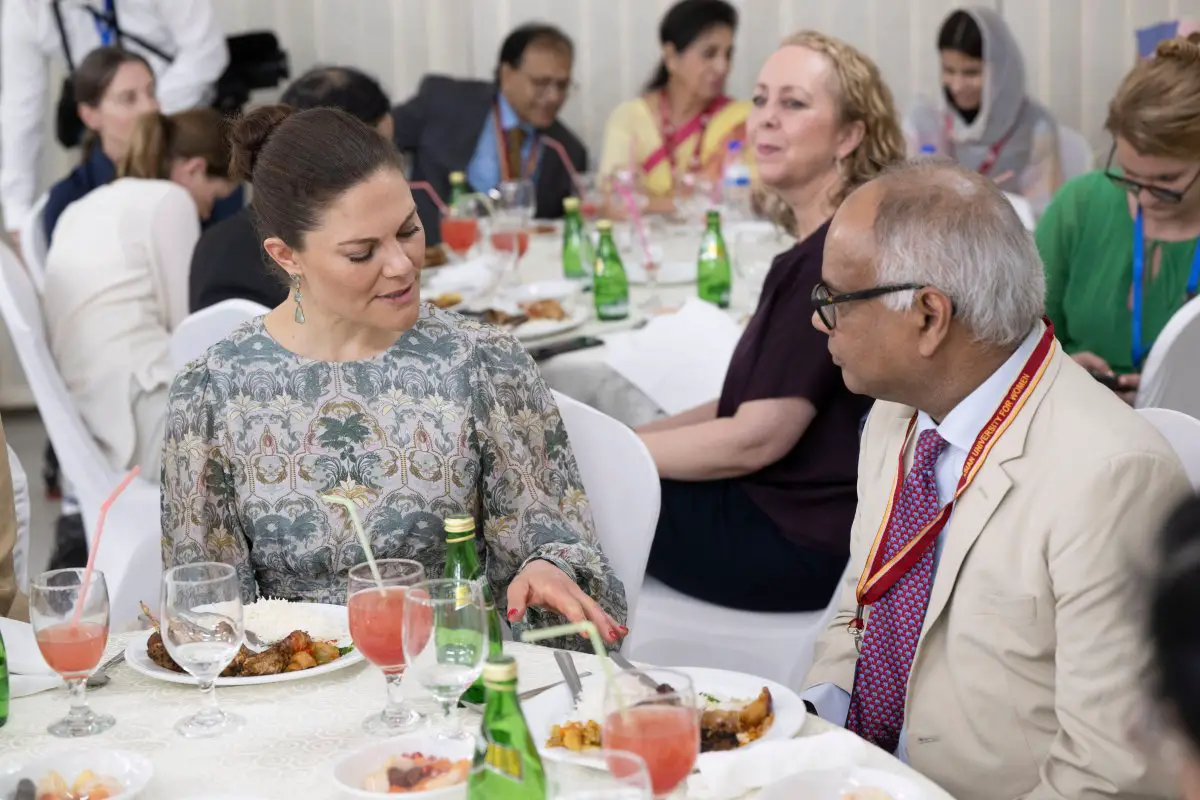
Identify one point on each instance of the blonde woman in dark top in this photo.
(759, 486)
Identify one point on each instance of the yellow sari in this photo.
(633, 140)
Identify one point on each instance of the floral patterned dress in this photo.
(452, 418)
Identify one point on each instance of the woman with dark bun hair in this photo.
(354, 388)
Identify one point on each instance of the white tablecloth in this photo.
(295, 731)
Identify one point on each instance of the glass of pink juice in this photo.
(72, 643)
(661, 725)
(460, 233)
(377, 628)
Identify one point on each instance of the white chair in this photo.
(1074, 152)
(622, 487)
(1182, 433)
(132, 531)
(20, 487)
(1024, 210)
(206, 327)
(1170, 378)
(34, 244)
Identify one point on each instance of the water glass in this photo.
(659, 722)
(513, 203)
(203, 631)
(377, 628)
(72, 643)
(445, 642)
(596, 775)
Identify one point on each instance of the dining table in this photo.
(293, 734)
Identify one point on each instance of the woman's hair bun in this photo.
(1181, 49)
(250, 133)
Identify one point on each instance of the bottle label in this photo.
(505, 761)
(462, 596)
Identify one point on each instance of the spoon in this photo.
(100, 677)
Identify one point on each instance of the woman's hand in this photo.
(542, 584)
(1127, 387)
(1092, 363)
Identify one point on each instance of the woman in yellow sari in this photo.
(684, 122)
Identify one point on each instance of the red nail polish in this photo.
(512, 615)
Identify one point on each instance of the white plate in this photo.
(561, 290)
(350, 772)
(835, 783)
(137, 657)
(130, 770)
(541, 328)
(670, 273)
(554, 706)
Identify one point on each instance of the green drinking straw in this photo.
(589, 629)
(362, 534)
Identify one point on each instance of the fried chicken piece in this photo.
(276, 658)
(157, 650)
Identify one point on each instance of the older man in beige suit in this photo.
(988, 629)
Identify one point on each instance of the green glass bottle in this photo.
(462, 563)
(577, 248)
(458, 190)
(507, 765)
(610, 286)
(3, 683)
(713, 273)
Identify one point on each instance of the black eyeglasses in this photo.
(1136, 187)
(825, 301)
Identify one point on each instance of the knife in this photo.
(625, 664)
(567, 665)
(523, 695)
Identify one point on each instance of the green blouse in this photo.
(1086, 241)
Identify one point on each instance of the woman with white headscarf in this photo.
(984, 120)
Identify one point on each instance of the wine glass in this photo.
(513, 206)
(377, 627)
(72, 645)
(596, 775)
(445, 642)
(460, 228)
(658, 719)
(203, 630)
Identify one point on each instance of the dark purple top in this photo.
(810, 494)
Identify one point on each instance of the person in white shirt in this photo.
(184, 30)
(117, 278)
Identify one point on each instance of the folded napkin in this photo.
(467, 278)
(678, 360)
(28, 671)
(731, 774)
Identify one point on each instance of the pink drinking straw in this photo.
(556, 146)
(433, 195)
(638, 224)
(91, 562)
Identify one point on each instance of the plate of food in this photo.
(304, 640)
(853, 783)
(670, 273)
(739, 709)
(415, 765)
(75, 774)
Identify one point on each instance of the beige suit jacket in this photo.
(1029, 674)
(12, 602)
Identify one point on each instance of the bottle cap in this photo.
(604, 225)
(458, 177)
(713, 215)
(500, 669)
(459, 523)
(570, 204)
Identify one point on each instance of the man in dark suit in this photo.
(229, 260)
(495, 131)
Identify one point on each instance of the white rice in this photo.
(273, 620)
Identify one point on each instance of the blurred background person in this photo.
(984, 119)
(180, 39)
(490, 130)
(116, 279)
(758, 487)
(229, 260)
(683, 121)
(1108, 301)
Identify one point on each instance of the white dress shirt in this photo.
(960, 429)
(184, 29)
(116, 287)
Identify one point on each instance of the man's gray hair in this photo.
(940, 225)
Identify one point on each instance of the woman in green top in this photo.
(1088, 233)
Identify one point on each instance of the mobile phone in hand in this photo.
(1106, 380)
(568, 346)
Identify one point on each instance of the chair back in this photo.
(622, 487)
(206, 327)
(1074, 153)
(1182, 433)
(1170, 378)
(20, 487)
(1024, 210)
(34, 244)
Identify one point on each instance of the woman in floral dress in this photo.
(354, 388)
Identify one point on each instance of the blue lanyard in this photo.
(1139, 272)
(105, 30)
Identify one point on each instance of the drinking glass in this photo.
(590, 199)
(72, 647)
(513, 203)
(658, 719)
(445, 642)
(460, 229)
(377, 628)
(203, 630)
(596, 775)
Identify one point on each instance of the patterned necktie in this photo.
(894, 626)
(514, 141)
